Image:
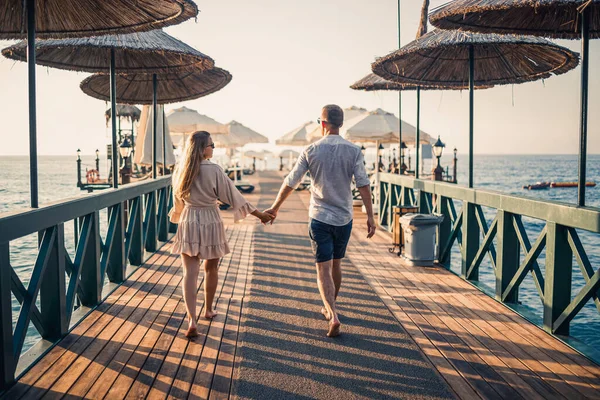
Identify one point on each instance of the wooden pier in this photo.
(408, 332)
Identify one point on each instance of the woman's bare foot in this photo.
(325, 313)
(334, 328)
(210, 314)
(192, 332)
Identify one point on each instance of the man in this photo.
(332, 163)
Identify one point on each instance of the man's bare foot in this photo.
(334, 328)
(210, 314)
(192, 332)
(325, 313)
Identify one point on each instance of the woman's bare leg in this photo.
(191, 269)
(211, 279)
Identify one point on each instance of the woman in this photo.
(197, 185)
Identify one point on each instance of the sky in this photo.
(288, 59)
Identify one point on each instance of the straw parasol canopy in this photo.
(560, 19)
(299, 136)
(68, 18)
(441, 58)
(238, 135)
(184, 120)
(129, 112)
(154, 51)
(380, 126)
(171, 87)
(372, 82)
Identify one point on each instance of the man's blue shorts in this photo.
(328, 241)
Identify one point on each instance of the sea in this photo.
(502, 173)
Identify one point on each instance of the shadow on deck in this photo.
(407, 332)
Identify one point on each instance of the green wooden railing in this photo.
(137, 221)
(503, 240)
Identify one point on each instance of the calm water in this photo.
(57, 180)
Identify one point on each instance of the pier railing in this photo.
(61, 289)
(505, 241)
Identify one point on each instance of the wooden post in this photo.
(444, 229)
(91, 280)
(7, 359)
(163, 218)
(52, 290)
(117, 260)
(136, 243)
(150, 222)
(470, 241)
(559, 267)
(508, 256)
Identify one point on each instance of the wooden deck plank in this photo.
(182, 382)
(514, 372)
(126, 348)
(116, 299)
(133, 346)
(573, 385)
(525, 344)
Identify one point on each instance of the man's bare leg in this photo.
(327, 290)
(336, 273)
(211, 279)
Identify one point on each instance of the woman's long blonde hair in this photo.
(189, 165)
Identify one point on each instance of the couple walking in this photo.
(198, 183)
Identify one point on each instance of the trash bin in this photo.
(419, 238)
(397, 232)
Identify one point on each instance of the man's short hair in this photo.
(333, 114)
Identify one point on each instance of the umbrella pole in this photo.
(399, 103)
(33, 162)
(154, 121)
(113, 116)
(164, 142)
(585, 64)
(418, 136)
(471, 111)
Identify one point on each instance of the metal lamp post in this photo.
(78, 168)
(363, 149)
(438, 149)
(454, 166)
(380, 157)
(125, 152)
(403, 167)
(98, 160)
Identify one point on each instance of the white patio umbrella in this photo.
(184, 121)
(349, 113)
(379, 127)
(298, 136)
(143, 144)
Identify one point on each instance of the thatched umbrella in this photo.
(560, 19)
(154, 51)
(170, 88)
(453, 58)
(130, 113)
(25, 19)
(127, 111)
(63, 18)
(147, 52)
(298, 136)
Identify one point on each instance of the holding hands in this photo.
(264, 217)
